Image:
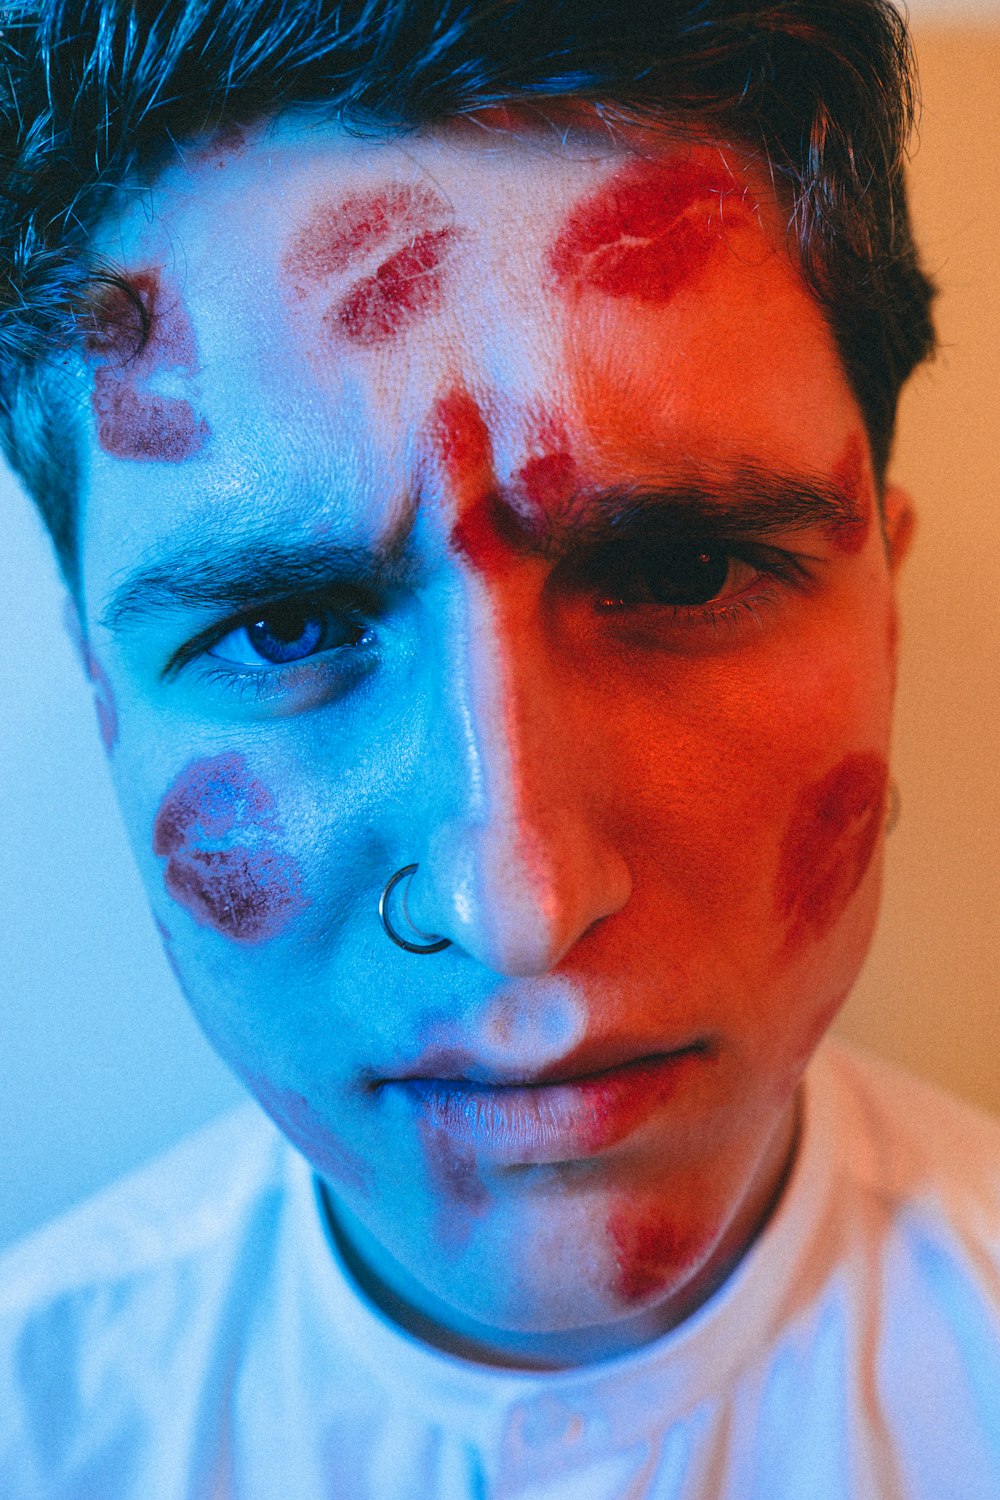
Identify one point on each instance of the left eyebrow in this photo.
(741, 502)
(745, 501)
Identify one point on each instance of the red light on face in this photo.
(829, 845)
(851, 476)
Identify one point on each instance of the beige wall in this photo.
(930, 994)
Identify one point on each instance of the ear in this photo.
(899, 524)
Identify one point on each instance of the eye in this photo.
(682, 575)
(286, 633)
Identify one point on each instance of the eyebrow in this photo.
(743, 502)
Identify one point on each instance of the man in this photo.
(464, 435)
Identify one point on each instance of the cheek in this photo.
(829, 846)
(217, 830)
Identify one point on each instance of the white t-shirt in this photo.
(190, 1334)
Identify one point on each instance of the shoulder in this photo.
(916, 1195)
(132, 1281)
(908, 1139)
(179, 1205)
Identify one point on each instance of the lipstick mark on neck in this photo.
(412, 224)
(647, 232)
(134, 420)
(829, 846)
(851, 476)
(215, 827)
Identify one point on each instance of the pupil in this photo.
(287, 635)
(689, 576)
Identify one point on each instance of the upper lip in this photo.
(449, 1065)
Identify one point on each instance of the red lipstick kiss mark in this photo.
(211, 828)
(454, 1173)
(829, 846)
(647, 1253)
(412, 223)
(104, 702)
(851, 477)
(296, 1118)
(644, 234)
(134, 421)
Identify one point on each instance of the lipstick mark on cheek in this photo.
(214, 828)
(104, 702)
(828, 847)
(134, 421)
(851, 476)
(645, 234)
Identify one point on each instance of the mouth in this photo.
(558, 1116)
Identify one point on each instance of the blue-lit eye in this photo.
(286, 633)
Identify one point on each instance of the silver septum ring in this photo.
(434, 946)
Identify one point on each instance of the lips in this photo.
(562, 1114)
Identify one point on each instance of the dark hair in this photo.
(95, 94)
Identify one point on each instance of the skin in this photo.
(641, 828)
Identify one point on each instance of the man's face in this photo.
(496, 503)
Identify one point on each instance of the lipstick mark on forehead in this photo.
(647, 232)
(133, 420)
(222, 147)
(829, 846)
(851, 475)
(409, 225)
(215, 828)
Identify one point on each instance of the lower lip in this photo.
(548, 1123)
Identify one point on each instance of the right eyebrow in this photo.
(237, 575)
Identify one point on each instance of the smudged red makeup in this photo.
(829, 845)
(215, 828)
(296, 1118)
(647, 1251)
(647, 232)
(851, 476)
(409, 226)
(133, 420)
(104, 702)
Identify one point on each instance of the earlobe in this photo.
(899, 524)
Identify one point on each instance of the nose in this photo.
(515, 866)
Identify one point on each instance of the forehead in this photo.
(316, 293)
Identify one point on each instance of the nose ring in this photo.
(434, 946)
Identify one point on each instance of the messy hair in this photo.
(96, 95)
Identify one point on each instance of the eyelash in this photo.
(775, 568)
